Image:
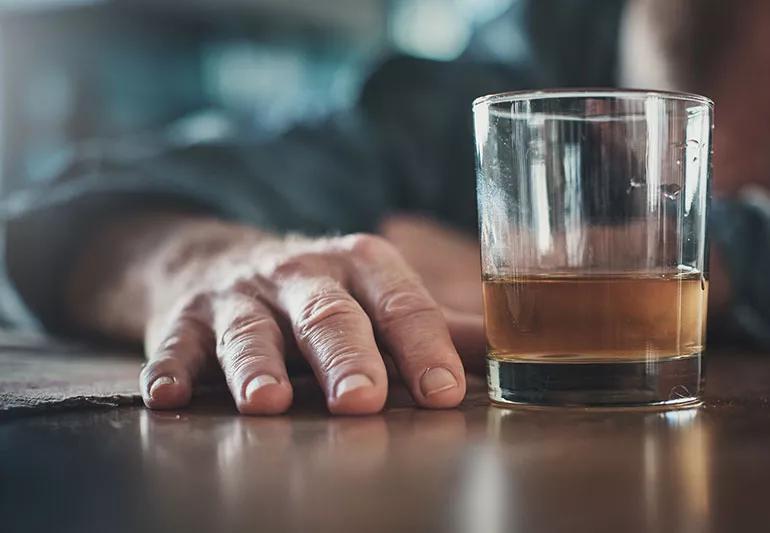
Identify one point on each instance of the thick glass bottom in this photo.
(669, 382)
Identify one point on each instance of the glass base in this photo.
(672, 382)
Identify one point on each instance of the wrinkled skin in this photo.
(210, 294)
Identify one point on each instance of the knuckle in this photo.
(187, 334)
(340, 359)
(194, 302)
(306, 264)
(173, 344)
(309, 260)
(241, 286)
(181, 336)
(365, 246)
(192, 309)
(244, 364)
(324, 312)
(160, 366)
(403, 300)
(290, 267)
(248, 330)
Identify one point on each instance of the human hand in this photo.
(249, 303)
(446, 259)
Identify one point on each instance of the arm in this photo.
(160, 248)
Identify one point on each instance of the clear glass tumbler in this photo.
(594, 249)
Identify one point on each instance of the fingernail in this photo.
(160, 382)
(258, 382)
(351, 383)
(437, 380)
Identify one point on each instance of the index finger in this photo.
(407, 320)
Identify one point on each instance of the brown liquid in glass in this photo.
(612, 318)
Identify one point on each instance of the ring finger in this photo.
(336, 337)
(249, 346)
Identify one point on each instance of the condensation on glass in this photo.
(592, 219)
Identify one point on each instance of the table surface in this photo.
(477, 468)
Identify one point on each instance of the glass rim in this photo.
(586, 92)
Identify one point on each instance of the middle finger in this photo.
(250, 352)
(336, 337)
(409, 322)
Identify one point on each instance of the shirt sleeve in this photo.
(407, 145)
(740, 228)
(319, 179)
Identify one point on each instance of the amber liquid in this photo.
(612, 318)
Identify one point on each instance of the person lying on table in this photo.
(252, 257)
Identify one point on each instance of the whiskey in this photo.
(601, 319)
(616, 340)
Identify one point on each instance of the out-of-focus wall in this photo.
(72, 70)
(76, 70)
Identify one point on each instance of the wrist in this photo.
(140, 264)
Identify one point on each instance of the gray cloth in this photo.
(37, 373)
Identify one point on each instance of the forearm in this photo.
(140, 263)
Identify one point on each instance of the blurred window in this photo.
(72, 71)
(440, 29)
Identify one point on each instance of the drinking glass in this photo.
(594, 250)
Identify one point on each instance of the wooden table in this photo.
(478, 468)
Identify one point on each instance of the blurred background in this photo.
(77, 70)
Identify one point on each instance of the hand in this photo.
(225, 293)
(446, 259)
